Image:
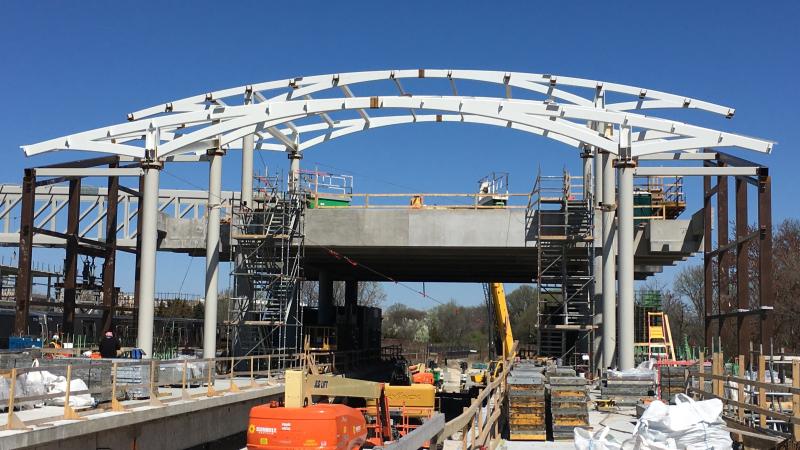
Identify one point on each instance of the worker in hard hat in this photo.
(109, 345)
(55, 342)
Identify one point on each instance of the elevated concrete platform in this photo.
(178, 424)
(459, 245)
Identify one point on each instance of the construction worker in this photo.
(109, 346)
(55, 342)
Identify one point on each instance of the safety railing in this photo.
(423, 201)
(139, 380)
(757, 404)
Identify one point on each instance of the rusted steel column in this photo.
(71, 259)
(723, 260)
(109, 264)
(765, 286)
(23, 288)
(708, 292)
(742, 274)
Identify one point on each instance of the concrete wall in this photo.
(175, 426)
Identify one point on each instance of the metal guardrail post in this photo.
(13, 422)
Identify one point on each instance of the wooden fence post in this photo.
(796, 399)
(154, 400)
(115, 404)
(701, 381)
(233, 387)
(13, 422)
(184, 392)
(69, 413)
(762, 392)
(740, 390)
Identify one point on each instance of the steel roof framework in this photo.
(195, 124)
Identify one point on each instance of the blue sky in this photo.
(68, 67)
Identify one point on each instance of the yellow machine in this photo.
(659, 336)
(501, 319)
(505, 336)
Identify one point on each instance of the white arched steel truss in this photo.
(298, 113)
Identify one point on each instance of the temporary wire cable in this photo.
(355, 263)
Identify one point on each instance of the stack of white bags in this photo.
(686, 425)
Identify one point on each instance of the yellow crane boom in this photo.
(501, 319)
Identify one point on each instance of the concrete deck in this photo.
(177, 424)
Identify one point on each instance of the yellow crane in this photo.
(502, 321)
(505, 337)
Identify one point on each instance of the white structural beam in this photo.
(539, 84)
(697, 171)
(679, 156)
(233, 123)
(90, 172)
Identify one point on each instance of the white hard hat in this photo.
(55, 336)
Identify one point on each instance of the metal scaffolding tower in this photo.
(560, 222)
(267, 245)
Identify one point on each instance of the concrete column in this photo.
(350, 294)
(294, 170)
(597, 321)
(625, 276)
(325, 312)
(586, 157)
(248, 143)
(212, 253)
(609, 264)
(625, 167)
(147, 258)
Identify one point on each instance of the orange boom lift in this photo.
(303, 424)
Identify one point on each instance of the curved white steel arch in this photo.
(197, 123)
(233, 122)
(546, 84)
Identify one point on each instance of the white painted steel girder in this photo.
(234, 122)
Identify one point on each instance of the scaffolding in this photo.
(265, 315)
(560, 222)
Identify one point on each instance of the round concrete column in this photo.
(212, 253)
(625, 275)
(147, 258)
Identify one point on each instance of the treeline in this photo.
(458, 325)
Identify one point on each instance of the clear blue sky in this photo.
(68, 67)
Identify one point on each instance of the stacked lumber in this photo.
(568, 403)
(526, 404)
